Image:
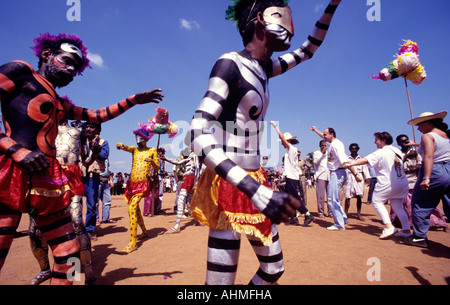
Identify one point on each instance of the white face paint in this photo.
(281, 35)
(140, 139)
(70, 48)
(279, 25)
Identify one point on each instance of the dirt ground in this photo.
(313, 255)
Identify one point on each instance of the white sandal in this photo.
(173, 230)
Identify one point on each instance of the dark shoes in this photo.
(308, 220)
(415, 241)
(41, 277)
(294, 221)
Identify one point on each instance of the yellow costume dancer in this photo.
(138, 185)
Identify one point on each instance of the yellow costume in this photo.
(138, 186)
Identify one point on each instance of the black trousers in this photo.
(293, 188)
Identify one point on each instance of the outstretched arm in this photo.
(349, 166)
(285, 143)
(108, 113)
(176, 162)
(310, 46)
(121, 146)
(314, 128)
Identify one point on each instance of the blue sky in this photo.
(139, 45)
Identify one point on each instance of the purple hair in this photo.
(67, 99)
(48, 41)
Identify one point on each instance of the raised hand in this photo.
(152, 96)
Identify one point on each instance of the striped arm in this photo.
(309, 47)
(97, 116)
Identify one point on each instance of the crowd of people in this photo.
(46, 167)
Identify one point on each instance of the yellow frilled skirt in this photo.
(221, 206)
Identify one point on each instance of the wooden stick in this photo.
(410, 108)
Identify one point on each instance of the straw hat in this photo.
(289, 137)
(426, 116)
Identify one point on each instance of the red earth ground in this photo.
(313, 255)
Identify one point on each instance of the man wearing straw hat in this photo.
(292, 171)
(433, 182)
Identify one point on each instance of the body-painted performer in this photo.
(138, 186)
(233, 195)
(190, 178)
(31, 179)
(68, 146)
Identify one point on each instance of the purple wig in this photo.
(48, 41)
(67, 99)
(143, 133)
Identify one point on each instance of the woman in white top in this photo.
(433, 182)
(391, 184)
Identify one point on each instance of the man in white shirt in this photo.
(321, 175)
(336, 156)
(292, 172)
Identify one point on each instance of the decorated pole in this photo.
(410, 109)
(159, 125)
(406, 65)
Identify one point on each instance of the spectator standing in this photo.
(92, 165)
(161, 174)
(355, 189)
(321, 176)
(104, 195)
(292, 172)
(114, 180)
(336, 157)
(304, 167)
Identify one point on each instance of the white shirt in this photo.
(336, 155)
(391, 181)
(291, 168)
(355, 188)
(320, 166)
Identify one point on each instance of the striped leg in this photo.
(9, 221)
(223, 256)
(270, 257)
(182, 197)
(58, 230)
(83, 238)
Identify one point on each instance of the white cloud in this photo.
(319, 7)
(189, 25)
(96, 59)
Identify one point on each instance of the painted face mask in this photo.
(70, 48)
(280, 26)
(140, 139)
